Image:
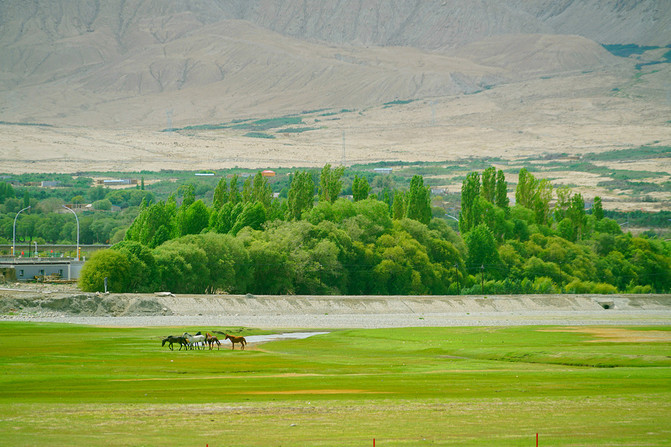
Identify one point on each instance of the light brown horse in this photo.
(234, 339)
(212, 340)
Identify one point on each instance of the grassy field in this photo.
(79, 385)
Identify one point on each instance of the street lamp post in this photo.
(77, 218)
(14, 231)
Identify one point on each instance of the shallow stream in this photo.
(273, 337)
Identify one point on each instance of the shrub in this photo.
(110, 264)
(545, 285)
(604, 289)
(640, 289)
(104, 205)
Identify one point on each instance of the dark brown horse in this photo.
(212, 340)
(234, 339)
(170, 340)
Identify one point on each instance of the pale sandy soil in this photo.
(571, 115)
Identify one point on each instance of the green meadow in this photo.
(64, 385)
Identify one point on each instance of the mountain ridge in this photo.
(62, 61)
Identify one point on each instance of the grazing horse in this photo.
(194, 340)
(235, 340)
(170, 340)
(212, 340)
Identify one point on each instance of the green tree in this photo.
(110, 264)
(154, 225)
(194, 219)
(398, 206)
(96, 193)
(330, 183)
(6, 191)
(234, 191)
(607, 225)
(104, 205)
(488, 190)
(526, 189)
(220, 194)
(470, 215)
(576, 214)
(501, 197)
(597, 208)
(142, 273)
(188, 195)
(541, 201)
(418, 200)
(535, 268)
(482, 251)
(360, 188)
(261, 191)
(301, 194)
(253, 215)
(181, 267)
(562, 204)
(272, 274)
(247, 190)
(223, 221)
(227, 261)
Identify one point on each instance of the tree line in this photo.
(316, 242)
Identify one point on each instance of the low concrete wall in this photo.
(343, 305)
(97, 304)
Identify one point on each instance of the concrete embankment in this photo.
(337, 305)
(332, 311)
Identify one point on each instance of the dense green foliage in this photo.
(248, 242)
(377, 257)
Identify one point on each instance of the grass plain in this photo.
(81, 385)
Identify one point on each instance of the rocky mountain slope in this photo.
(123, 63)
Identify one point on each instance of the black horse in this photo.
(170, 340)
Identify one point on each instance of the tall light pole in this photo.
(77, 218)
(14, 232)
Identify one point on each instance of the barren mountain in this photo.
(83, 62)
(87, 84)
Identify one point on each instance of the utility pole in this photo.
(456, 275)
(77, 219)
(482, 279)
(14, 231)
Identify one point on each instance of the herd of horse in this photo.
(200, 341)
